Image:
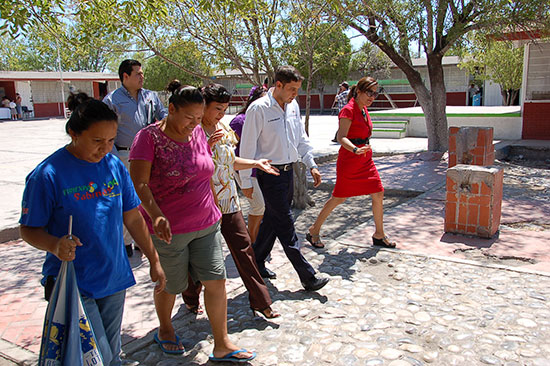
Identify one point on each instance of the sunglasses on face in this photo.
(372, 93)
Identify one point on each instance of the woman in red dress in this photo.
(356, 174)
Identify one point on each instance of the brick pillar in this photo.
(471, 145)
(474, 200)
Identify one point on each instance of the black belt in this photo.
(121, 148)
(360, 141)
(283, 167)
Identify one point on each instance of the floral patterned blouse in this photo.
(223, 154)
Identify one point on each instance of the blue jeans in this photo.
(279, 223)
(105, 315)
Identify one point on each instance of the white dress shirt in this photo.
(270, 132)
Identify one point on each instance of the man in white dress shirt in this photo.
(273, 130)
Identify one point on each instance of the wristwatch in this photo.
(355, 150)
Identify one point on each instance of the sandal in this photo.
(195, 309)
(166, 350)
(231, 357)
(384, 242)
(315, 240)
(268, 313)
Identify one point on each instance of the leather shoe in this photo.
(315, 283)
(266, 273)
(129, 250)
(130, 363)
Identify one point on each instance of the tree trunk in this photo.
(301, 199)
(508, 96)
(513, 97)
(308, 104)
(434, 105)
(504, 95)
(321, 89)
(440, 139)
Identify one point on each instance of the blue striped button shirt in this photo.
(134, 114)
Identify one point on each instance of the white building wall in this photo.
(491, 94)
(538, 72)
(79, 86)
(24, 89)
(112, 86)
(456, 79)
(50, 91)
(47, 91)
(504, 128)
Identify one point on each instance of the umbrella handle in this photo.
(70, 226)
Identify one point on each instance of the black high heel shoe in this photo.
(267, 313)
(384, 242)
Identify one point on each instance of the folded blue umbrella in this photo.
(68, 338)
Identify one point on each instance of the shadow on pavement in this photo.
(470, 241)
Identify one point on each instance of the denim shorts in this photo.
(198, 253)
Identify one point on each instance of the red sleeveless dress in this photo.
(356, 175)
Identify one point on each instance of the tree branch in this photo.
(429, 23)
(171, 62)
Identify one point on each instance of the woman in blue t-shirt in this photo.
(84, 180)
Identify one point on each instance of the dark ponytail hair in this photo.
(255, 93)
(85, 111)
(216, 93)
(183, 95)
(362, 85)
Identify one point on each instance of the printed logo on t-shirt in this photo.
(92, 190)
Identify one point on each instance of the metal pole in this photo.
(62, 83)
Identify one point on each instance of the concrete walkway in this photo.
(24, 144)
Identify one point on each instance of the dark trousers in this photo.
(279, 223)
(236, 236)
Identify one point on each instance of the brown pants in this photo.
(236, 236)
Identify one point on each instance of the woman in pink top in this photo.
(171, 167)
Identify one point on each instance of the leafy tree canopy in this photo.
(500, 61)
(38, 48)
(497, 60)
(329, 55)
(158, 72)
(369, 60)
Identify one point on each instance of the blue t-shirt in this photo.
(96, 194)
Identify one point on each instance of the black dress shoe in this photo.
(266, 273)
(315, 283)
(129, 250)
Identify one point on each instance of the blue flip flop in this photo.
(162, 343)
(230, 357)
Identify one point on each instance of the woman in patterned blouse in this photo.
(222, 140)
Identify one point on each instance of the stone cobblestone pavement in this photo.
(389, 307)
(385, 308)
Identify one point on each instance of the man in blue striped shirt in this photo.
(340, 101)
(136, 108)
